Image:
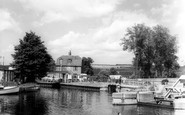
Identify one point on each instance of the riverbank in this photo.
(128, 82)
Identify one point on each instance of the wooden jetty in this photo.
(84, 86)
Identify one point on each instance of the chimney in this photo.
(70, 52)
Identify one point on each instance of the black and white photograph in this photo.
(92, 57)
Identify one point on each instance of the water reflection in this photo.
(72, 102)
(31, 104)
(7, 104)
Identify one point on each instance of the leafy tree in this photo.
(86, 66)
(103, 75)
(138, 40)
(154, 49)
(113, 71)
(165, 60)
(31, 58)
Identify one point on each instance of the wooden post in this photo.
(137, 96)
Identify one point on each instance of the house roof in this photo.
(69, 60)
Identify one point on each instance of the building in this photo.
(6, 74)
(70, 64)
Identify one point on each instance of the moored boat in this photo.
(43, 83)
(173, 98)
(9, 90)
(29, 87)
(124, 98)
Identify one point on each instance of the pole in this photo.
(136, 65)
(0, 61)
(3, 60)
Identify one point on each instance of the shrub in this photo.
(164, 81)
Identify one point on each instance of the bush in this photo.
(147, 83)
(151, 88)
(164, 81)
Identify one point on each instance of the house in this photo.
(117, 78)
(6, 73)
(71, 64)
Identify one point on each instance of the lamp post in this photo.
(153, 66)
(3, 60)
(162, 70)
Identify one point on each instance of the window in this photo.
(75, 68)
(60, 62)
(69, 61)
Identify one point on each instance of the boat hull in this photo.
(48, 84)
(29, 88)
(124, 98)
(9, 90)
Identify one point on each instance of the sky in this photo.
(89, 28)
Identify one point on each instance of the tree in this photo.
(165, 50)
(113, 71)
(138, 40)
(86, 66)
(103, 75)
(154, 48)
(31, 58)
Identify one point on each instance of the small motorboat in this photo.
(29, 87)
(48, 83)
(9, 90)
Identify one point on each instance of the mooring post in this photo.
(137, 96)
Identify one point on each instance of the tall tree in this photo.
(138, 40)
(86, 65)
(154, 48)
(31, 58)
(165, 49)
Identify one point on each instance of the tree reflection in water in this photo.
(7, 104)
(23, 104)
(31, 104)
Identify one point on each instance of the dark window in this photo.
(69, 61)
(75, 68)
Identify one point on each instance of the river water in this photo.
(48, 101)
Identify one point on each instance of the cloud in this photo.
(5, 53)
(7, 22)
(102, 43)
(9, 49)
(68, 10)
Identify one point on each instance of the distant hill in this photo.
(128, 71)
(124, 71)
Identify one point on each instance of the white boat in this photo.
(173, 98)
(124, 98)
(9, 90)
(44, 83)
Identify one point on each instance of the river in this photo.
(48, 101)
